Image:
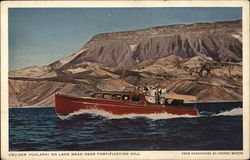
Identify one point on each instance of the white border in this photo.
(143, 154)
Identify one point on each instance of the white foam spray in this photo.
(233, 112)
(153, 116)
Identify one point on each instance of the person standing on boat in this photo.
(151, 96)
(158, 95)
(146, 89)
(152, 91)
(139, 90)
(163, 95)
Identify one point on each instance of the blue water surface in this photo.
(39, 129)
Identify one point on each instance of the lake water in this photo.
(39, 129)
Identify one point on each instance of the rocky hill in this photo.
(221, 41)
(203, 60)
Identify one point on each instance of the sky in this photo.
(40, 36)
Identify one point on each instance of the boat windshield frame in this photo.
(121, 96)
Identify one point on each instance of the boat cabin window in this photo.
(125, 97)
(135, 98)
(106, 96)
(97, 95)
(177, 102)
(174, 101)
(116, 96)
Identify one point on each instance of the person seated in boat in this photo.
(136, 94)
(166, 101)
(125, 97)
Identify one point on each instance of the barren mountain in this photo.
(215, 82)
(203, 60)
(221, 41)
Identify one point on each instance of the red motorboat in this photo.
(122, 103)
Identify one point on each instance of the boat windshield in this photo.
(114, 96)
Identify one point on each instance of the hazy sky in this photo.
(39, 36)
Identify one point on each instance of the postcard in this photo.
(124, 80)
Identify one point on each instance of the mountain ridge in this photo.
(222, 41)
(202, 59)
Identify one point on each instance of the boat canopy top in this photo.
(173, 95)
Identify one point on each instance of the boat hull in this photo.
(65, 105)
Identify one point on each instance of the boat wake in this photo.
(155, 116)
(233, 112)
(95, 112)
